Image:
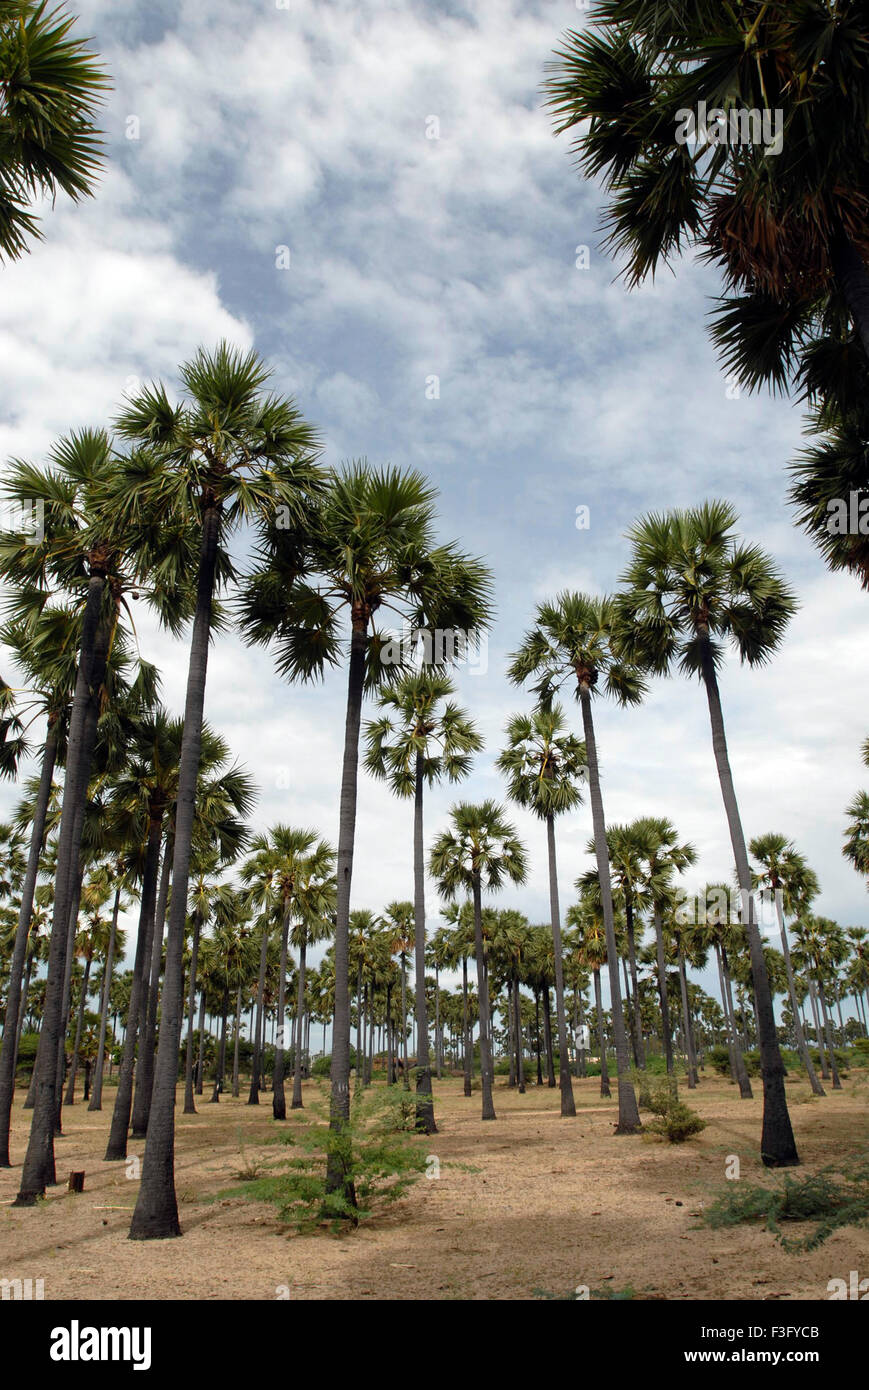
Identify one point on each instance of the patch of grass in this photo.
(836, 1196)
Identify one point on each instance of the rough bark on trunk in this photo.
(297, 1102)
(156, 1213)
(14, 1010)
(629, 1115)
(148, 1039)
(601, 1037)
(189, 1100)
(96, 1101)
(79, 1027)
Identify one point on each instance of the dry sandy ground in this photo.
(528, 1206)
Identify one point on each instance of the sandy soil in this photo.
(527, 1206)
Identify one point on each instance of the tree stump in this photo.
(76, 1182)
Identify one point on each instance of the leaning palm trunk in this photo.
(629, 1115)
(279, 1100)
(156, 1213)
(802, 1045)
(38, 1171)
(96, 1101)
(339, 1176)
(601, 1037)
(778, 1149)
(14, 1010)
(150, 1000)
(483, 992)
(297, 1102)
(189, 1099)
(568, 1106)
(117, 1145)
(425, 1118)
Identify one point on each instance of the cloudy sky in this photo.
(397, 155)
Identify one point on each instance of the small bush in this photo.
(674, 1120)
(718, 1058)
(836, 1196)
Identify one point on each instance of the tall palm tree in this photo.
(226, 453)
(692, 588)
(822, 948)
(481, 849)
(545, 766)
(421, 737)
(785, 873)
(52, 87)
(573, 641)
(720, 927)
(373, 547)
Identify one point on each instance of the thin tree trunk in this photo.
(802, 1045)
(547, 1034)
(11, 1029)
(79, 1027)
(745, 1088)
(639, 1046)
(339, 1176)
(777, 1146)
(404, 1056)
(629, 1115)
(256, 1069)
(150, 1000)
(537, 1034)
(517, 1015)
(467, 1050)
(483, 991)
(828, 1034)
(297, 1102)
(439, 1037)
(156, 1213)
(236, 1044)
(601, 1037)
(425, 1116)
(189, 1101)
(96, 1101)
(200, 1051)
(116, 1149)
(67, 991)
(666, 1025)
(568, 1105)
(279, 1100)
(693, 1078)
(221, 1059)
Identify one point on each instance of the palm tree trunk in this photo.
(279, 1100)
(297, 1102)
(483, 991)
(568, 1105)
(11, 1030)
(156, 1213)
(150, 1001)
(517, 1015)
(819, 1036)
(79, 1026)
(828, 1034)
(745, 1088)
(802, 1045)
(189, 1100)
(221, 1059)
(777, 1146)
(116, 1150)
(693, 1078)
(339, 1177)
(404, 1056)
(666, 1025)
(22, 1013)
(200, 1050)
(96, 1101)
(236, 1043)
(601, 1037)
(256, 1068)
(629, 1115)
(467, 1050)
(547, 1035)
(639, 1046)
(425, 1116)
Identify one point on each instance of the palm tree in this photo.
(789, 232)
(589, 943)
(573, 640)
(786, 875)
(373, 547)
(226, 453)
(421, 737)
(544, 764)
(115, 946)
(480, 849)
(719, 926)
(821, 948)
(691, 588)
(51, 87)
(664, 856)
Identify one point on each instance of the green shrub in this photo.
(674, 1120)
(836, 1196)
(718, 1057)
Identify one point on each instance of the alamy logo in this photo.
(852, 1288)
(740, 125)
(76, 1343)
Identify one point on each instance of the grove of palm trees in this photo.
(416, 883)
